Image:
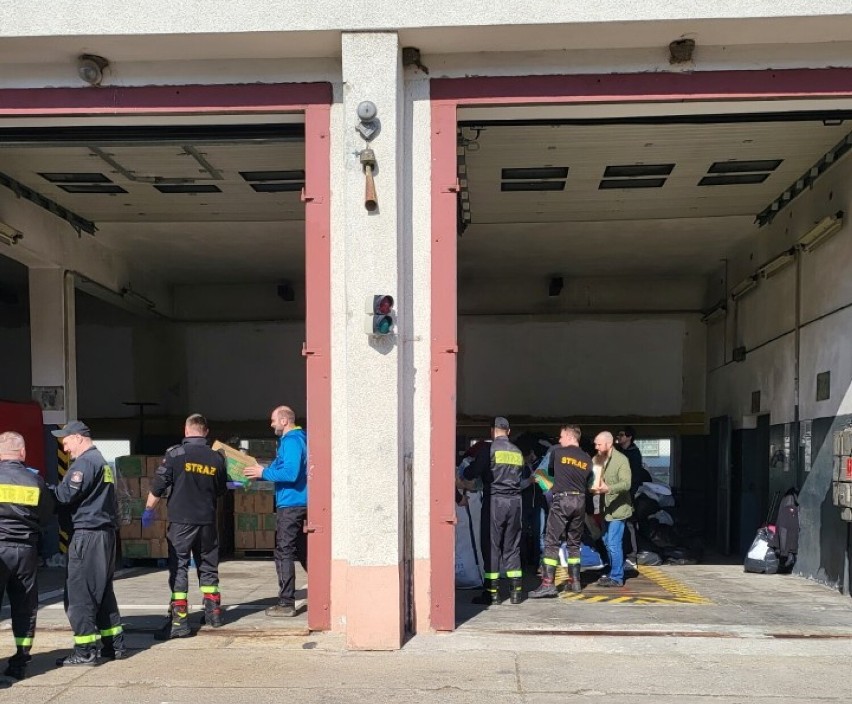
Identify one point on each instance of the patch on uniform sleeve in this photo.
(76, 477)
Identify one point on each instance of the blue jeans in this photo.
(612, 538)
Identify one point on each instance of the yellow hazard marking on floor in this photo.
(679, 590)
(676, 592)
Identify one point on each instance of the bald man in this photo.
(25, 507)
(618, 507)
(289, 471)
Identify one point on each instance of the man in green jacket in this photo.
(618, 506)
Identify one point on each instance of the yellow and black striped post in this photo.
(63, 460)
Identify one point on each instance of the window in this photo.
(657, 457)
(111, 449)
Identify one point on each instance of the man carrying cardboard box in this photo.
(197, 477)
(289, 472)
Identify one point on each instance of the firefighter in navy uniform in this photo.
(87, 492)
(197, 477)
(25, 507)
(571, 469)
(500, 466)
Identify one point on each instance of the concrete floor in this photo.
(688, 600)
(248, 587)
(693, 599)
(740, 645)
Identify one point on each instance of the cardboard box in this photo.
(130, 466)
(247, 522)
(137, 506)
(264, 502)
(131, 531)
(130, 485)
(269, 521)
(244, 540)
(152, 464)
(243, 502)
(156, 530)
(236, 462)
(264, 540)
(136, 548)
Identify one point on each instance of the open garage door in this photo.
(601, 258)
(189, 240)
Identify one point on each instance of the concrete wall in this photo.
(227, 371)
(765, 325)
(87, 17)
(240, 371)
(764, 320)
(601, 366)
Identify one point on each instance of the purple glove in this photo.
(233, 485)
(147, 518)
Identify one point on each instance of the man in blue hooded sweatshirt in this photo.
(289, 471)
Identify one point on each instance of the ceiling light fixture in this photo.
(773, 266)
(129, 294)
(744, 287)
(717, 312)
(820, 232)
(79, 224)
(9, 235)
(805, 181)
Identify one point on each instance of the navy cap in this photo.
(501, 423)
(75, 427)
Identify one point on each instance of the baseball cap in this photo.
(501, 423)
(74, 427)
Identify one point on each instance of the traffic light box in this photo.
(380, 312)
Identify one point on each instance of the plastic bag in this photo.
(468, 556)
(649, 558)
(123, 497)
(761, 558)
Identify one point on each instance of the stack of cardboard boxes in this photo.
(135, 473)
(254, 517)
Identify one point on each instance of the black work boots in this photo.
(85, 656)
(576, 584)
(112, 647)
(17, 667)
(490, 595)
(516, 590)
(547, 588)
(177, 625)
(212, 610)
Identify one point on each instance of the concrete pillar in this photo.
(367, 574)
(53, 343)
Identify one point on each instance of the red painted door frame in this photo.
(314, 100)
(447, 95)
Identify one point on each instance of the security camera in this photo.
(90, 68)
